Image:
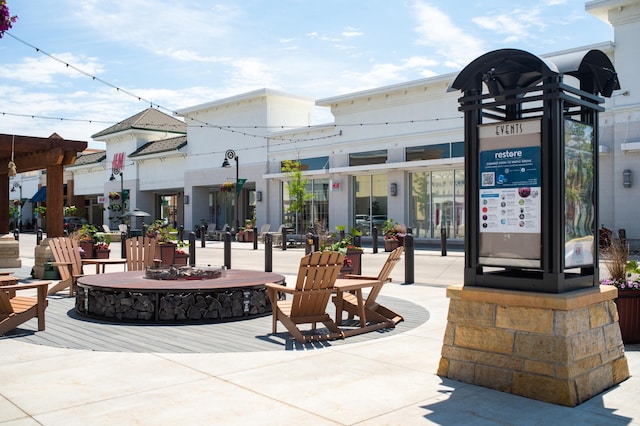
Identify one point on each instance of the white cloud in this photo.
(435, 29)
(352, 32)
(516, 26)
(161, 28)
(45, 70)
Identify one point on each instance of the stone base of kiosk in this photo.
(9, 252)
(559, 348)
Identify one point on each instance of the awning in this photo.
(41, 195)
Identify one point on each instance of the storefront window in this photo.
(437, 201)
(316, 210)
(420, 204)
(370, 202)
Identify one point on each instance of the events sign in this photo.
(510, 193)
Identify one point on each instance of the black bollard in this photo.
(123, 245)
(39, 236)
(227, 249)
(192, 248)
(255, 239)
(374, 239)
(181, 233)
(316, 241)
(443, 240)
(16, 234)
(409, 261)
(203, 236)
(268, 255)
(284, 238)
(357, 241)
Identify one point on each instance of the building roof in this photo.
(91, 158)
(164, 145)
(149, 119)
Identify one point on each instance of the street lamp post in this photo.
(231, 155)
(119, 172)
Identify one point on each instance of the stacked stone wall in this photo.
(562, 349)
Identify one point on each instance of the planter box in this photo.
(166, 252)
(356, 260)
(88, 249)
(181, 259)
(628, 304)
(102, 253)
(391, 245)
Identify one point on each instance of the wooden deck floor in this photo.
(65, 329)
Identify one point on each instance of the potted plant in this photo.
(166, 237)
(226, 187)
(345, 244)
(86, 235)
(625, 276)
(393, 234)
(113, 195)
(101, 246)
(248, 231)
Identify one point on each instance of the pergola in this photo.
(32, 153)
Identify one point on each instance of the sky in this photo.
(75, 67)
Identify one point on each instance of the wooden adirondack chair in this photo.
(276, 237)
(140, 253)
(219, 235)
(316, 276)
(263, 231)
(373, 310)
(18, 309)
(66, 253)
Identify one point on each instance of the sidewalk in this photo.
(390, 380)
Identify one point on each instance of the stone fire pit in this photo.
(133, 297)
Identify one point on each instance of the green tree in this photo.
(296, 187)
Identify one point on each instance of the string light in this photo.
(202, 124)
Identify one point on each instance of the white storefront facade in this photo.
(394, 152)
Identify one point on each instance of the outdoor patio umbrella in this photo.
(136, 213)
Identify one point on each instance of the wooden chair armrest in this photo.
(360, 277)
(280, 287)
(25, 286)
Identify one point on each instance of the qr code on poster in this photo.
(488, 179)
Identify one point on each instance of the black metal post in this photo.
(316, 241)
(181, 232)
(227, 249)
(284, 238)
(39, 236)
(268, 255)
(409, 261)
(123, 245)
(255, 239)
(443, 240)
(16, 234)
(203, 236)
(374, 239)
(192, 248)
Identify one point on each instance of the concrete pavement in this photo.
(390, 380)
